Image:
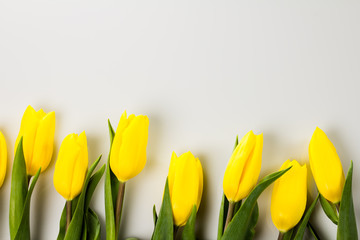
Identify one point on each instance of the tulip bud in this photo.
(185, 186)
(288, 200)
(3, 158)
(326, 167)
(243, 169)
(71, 166)
(37, 130)
(128, 151)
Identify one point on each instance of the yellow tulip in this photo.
(243, 169)
(288, 200)
(3, 158)
(185, 186)
(71, 166)
(37, 129)
(326, 166)
(128, 151)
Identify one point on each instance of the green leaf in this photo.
(84, 231)
(111, 133)
(225, 206)
(61, 234)
(93, 182)
(347, 221)
(237, 206)
(23, 232)
(93, 225)
(114, 181)
(74, 231)
(329, 209)
(301, 229)
(313, 232)
(109, 205)
(288, 234)
(62, 228)
(189, 229)
(115, 184)
(155, 217)
(253, 221)
(237, 228)
(236, 142)
(164, 228)
(19, 189)
(222, 216)
(111, 190)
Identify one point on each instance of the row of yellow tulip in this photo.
(289, 195)
(127, 158)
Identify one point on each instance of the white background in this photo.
(203, 72)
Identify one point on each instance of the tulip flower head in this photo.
(243, 169)
(185, 186)
(326, 166)
(37, 130)
(128, 150)
(71, 166)
(3, 158)
(288, 200)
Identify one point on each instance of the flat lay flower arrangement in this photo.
(76, 182)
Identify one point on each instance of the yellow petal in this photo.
(172, 168)
(251, 170)
(201, 177)
(117, 141)
(71, 166)
(80, 167)
(40, 114)
(29, 112)
(44, 144)
(37, 130)
(3, 158)
(29, 124)
(123, 123)
(326, 166)
(131, 149)
(186, 178)
(288, 200)
(244, 166)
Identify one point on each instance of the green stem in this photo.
(119, 205)
(176, 228)
(337, 205)
(68, 214)
(281, 236)
(229, 214)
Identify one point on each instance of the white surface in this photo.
(203, 71)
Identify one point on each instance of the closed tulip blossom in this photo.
(185, 186)
(70, 169)
(128, 154)
(288, 200)
(71, 166)
(3, 158)
(128, 151)
(326, 167)
(37, 129)
(243, 169)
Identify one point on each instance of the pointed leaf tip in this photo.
(347, 228)
(189, 229)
